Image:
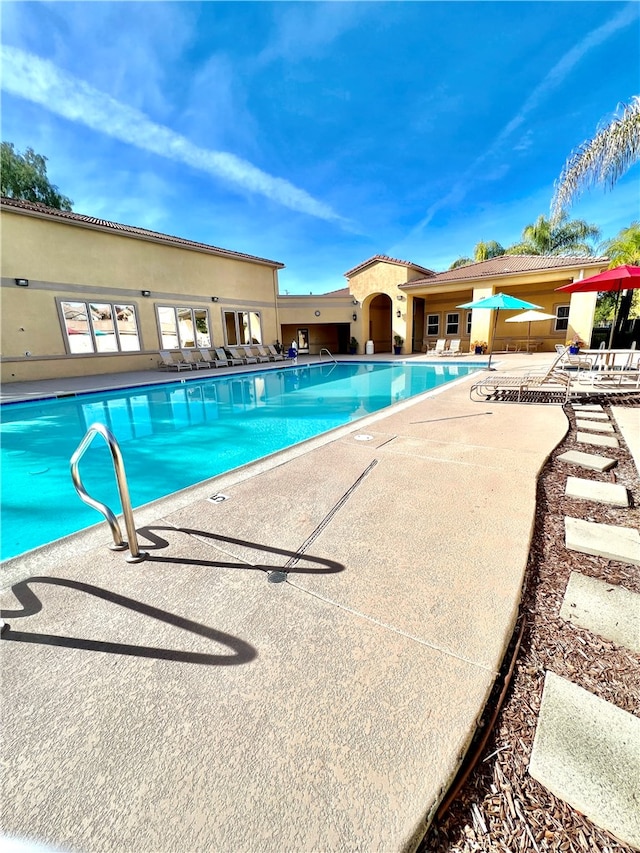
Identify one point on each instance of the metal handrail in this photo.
(324, 349)
(136, 554)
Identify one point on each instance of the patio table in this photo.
(609, 359)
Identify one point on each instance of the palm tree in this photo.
(601, 160)
(482, 252)
(622, 249)
(559, 236)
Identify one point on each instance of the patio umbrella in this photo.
(496, 302)
(618, 279)
(530, 317)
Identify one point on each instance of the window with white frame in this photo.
(242, 328)
(183, 328)
(453, 323)
(99, 327)
(562, 318)
(469, 315)
(433, 324)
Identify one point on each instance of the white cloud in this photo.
(38, 80)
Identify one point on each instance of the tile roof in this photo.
(128, 230)
(387, 260)
(508, 265)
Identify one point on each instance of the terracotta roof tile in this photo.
(106, 225)
(507, 265)
(387, 260)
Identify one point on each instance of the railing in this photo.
(136, 555)
(324, 349)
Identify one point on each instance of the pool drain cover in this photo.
(363, 437)
(277, 577)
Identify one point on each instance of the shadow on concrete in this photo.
(324, 566)
(242, 652)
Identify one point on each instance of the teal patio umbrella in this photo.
(495, 303)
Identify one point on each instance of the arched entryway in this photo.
(380, 322)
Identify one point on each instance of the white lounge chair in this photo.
(223, 355)
(195, 363)
(167, 362)
(500, 387)
(263, 355)
(453, 348)
(205, 355)
(582, 362)
(440, 347)
(273, 352)
(244, 354)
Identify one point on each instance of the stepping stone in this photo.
(595, 426)
(603, 540)
(587, 460)
(605, 609)
(591, 407)
(614, 494)
(593, 416)
(586, 752)
(598, 440)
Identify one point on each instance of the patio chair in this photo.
(263, 355)
(440, 347)
(273, 352)
(205, 355)
(223, 355)
(187, 355)
(167, 362)
(582, 362)
(453, 348)
(259, 357)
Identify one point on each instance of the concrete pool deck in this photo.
(187, 703)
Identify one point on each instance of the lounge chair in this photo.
(241, 353)
(440, 347)
(252, 358)
(205, 355)
(527, 388)
(582, 362)
(263, 355)
(167, 362)
(223, 355)
(195, 363)
(453, 348)
(273, 352)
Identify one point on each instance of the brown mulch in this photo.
(500, 807)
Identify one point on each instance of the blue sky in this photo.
(320, 134)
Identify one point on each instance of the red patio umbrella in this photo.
(618, 279)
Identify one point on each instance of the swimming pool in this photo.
(179, 433)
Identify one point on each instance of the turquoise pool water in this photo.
(180, 433)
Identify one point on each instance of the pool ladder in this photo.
(135, 555)
(324, 349)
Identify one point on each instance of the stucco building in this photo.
(84, 296)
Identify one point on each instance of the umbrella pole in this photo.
(615, 319)
(529, 337)
(493, 337)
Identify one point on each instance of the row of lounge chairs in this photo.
(218, 357)
(554, 384)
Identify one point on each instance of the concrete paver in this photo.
(628, 420)
(603, 540)
(597, 440)
(591, 416)
(587, 752)
(595, 426)
(614, 494)
(606, 609)
(587, 460)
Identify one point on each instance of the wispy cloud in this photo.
(40, 81)
(551, 81)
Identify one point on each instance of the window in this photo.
(242, 327)
(469, 315)
(433, 324)
(453, 323)
(95, 327)
(562, 318)
(183, 328)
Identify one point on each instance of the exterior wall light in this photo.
(214, 298)
(355, 302)
(22, 282)
(317, 313)
(401, 297)
(355, 316)
(398, 313)
(145, 292)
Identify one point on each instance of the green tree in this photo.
(483, 251)
(622, 249)
(24, 176)
(601, 160)
(559, 236)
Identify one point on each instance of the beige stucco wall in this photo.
(70, 261)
